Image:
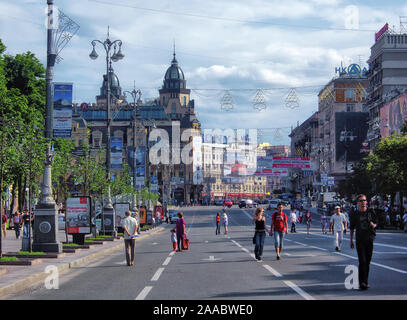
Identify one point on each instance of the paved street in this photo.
(223, 267)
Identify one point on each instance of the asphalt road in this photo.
(222, 267)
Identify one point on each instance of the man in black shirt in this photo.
(364, 221)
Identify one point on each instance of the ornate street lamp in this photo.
(116, 56)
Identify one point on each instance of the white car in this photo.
(273, 203)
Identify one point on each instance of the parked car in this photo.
(228, 203)
(273, 203)
(172, 215)
(246, 203)
(218, 202)
(257, 201)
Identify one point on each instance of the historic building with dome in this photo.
(132, 121)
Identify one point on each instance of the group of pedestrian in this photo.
(224, 220)
(278, 227)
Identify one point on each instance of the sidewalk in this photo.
(314, 211)
(14, 279)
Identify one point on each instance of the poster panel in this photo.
(120, 209)
(78, 210)
(62, 113)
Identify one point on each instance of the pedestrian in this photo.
(180, 227)
(279, 224)
(225, 222)
(218, 223)
(308, 220)
(324, 222)
(260, 233)
(26, 224)
(174, 239)
(17, 224)
(3, 224)
(337, 227)
(129, 225)
(405, 220)
(363, 221)
(293, 220)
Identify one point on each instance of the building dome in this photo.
(115, 88)
(174, 79)
(174, 72)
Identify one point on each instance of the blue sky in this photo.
(240, 46)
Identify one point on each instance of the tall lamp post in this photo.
(108, 210)
(136, 114)
(60, 29)
(148, 124)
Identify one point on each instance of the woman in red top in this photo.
(218, 223)
(308, 220)
(279, 223)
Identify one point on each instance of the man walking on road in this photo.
(363, 220)
(279, 224)
(129, 225)
(337, 226)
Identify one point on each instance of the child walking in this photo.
(174, 239)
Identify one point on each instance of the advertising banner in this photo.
(274, 172)
(392, 116)
(120, 209)
(116, 152)
(292, 162)
(62, 114)
(78, 211)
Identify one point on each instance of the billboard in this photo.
(292, 162)
(78, 211)
(274, 172)
(116, 152)
(120, 209)
(381, 31)
(392, 116)
(356, 124)
(62, 113)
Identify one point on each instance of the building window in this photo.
(350, 107)
(185, 100)
(350, 94)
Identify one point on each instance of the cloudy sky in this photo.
(255, 50)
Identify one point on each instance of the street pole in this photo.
(134, 93)
(108, 211)
(45, 223)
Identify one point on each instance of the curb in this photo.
(34, 279)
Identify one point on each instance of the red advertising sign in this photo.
(292, 162)
(78, 215)
(381, 31)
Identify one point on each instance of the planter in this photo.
(93, 242)
(34, 256)
(21, 262)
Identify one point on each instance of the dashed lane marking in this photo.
(143, 294)
(157, 274)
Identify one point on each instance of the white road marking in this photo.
(245, 250)
(274, 272)
(143, 294)
(122, 263)
(172, 253)
(157, 274)
(236, 243)
(211, 258)
(297, 289)
(167, 261)
(374, 263)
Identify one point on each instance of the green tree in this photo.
(62, 168)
